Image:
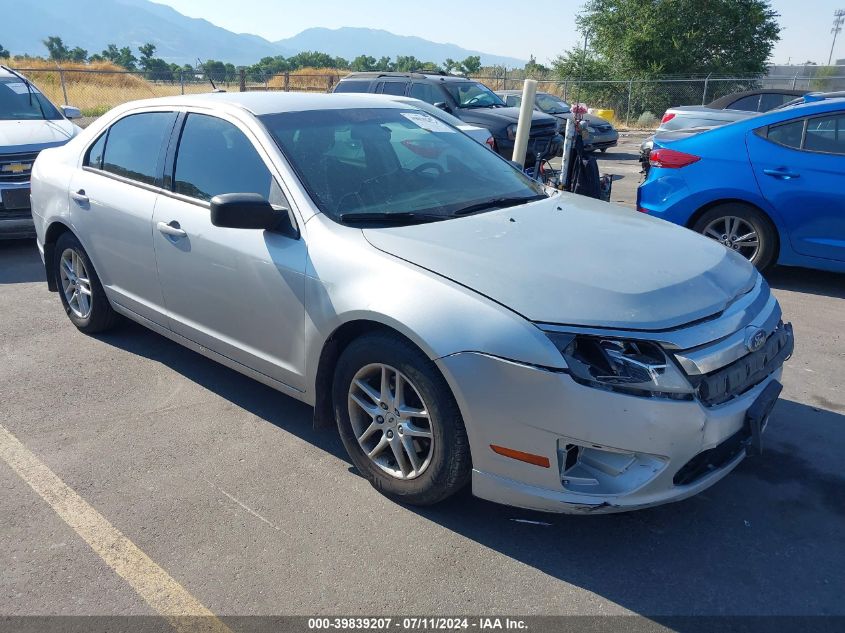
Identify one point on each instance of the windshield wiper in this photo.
(498, 203)
(386, 216)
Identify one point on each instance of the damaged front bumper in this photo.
(601, 451)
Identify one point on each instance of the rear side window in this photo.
(352, 86)
(749, 103)
(215, 157)
(427, 93)
(94, 157)
(396, 88)
(826, 134)
(134, 144)
(788, 134)
(770, 101)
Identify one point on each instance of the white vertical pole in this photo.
(523, 126)
(568, 138)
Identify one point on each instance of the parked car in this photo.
(769, 187)
(727, 109)
(476, 133)
(28, 124)
(601, 134)
(454, 319)
(470, 101)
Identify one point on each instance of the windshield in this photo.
(551, 105)
(471, 94)
(394, 164)
(17, 104)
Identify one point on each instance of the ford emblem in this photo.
(755, 340)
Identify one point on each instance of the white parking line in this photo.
(150, 581)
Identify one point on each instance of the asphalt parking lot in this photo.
(222, 482)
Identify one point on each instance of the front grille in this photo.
(8, 161)
(735, 379)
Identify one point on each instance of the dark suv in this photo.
(470, 101)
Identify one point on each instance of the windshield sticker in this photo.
(18, 87)
(427, 122)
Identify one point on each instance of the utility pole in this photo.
(838, 21)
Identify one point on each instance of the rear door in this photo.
(239, 292)
(392, 87)
(112, 199)
(799, 166)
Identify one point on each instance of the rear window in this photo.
(352, 85)
(134, 144)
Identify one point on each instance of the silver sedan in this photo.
(454, 320)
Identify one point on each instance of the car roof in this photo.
(259, 103)
(722, 102)
(406, 75)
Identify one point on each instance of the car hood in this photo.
(30, 136)
(577, 261)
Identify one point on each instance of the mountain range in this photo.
(93, 24)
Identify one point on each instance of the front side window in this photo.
(215, 157)
(826, 134)
(134, 144)
(22, 102)
(471, 94)
(388, 161)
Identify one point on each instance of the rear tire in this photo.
(80, 290)
(366, 404)
(743, 229)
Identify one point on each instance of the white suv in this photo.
(28, 124)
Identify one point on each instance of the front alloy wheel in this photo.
(76, 284)
(391, 421)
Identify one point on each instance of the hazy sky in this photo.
(486, 25)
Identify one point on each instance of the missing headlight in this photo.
(636, 367)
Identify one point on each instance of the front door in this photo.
(798, 166)
(239, 292)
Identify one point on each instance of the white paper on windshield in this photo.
(427, 122)
(18, 87)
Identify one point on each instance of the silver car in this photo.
(453, 319)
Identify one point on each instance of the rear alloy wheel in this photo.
(742, 229)
(398, 420)
(80, 289)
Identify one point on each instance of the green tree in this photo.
(363, 63)
(383, 64)
(121, 56)
(450, 64)
(56, 48)
(77, 54)
(147, 51)
(533, 68)
(646, 38)
(4, 52)
(471, 65)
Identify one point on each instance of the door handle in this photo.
(172, 229)
(79, 196)
(783, 174)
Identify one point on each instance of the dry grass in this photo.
(308, 79)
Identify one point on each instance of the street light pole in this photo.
(838, 21)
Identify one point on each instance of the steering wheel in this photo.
(428, 165)
(475, 99)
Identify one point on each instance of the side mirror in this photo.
(442, 105)
(71, 113)
(251, 211)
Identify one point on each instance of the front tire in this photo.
(80, 290)
(398, 420)
(743, 229)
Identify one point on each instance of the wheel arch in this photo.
(696, 216)
(51, 236)
(332, 348)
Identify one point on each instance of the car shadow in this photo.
(806, 280)
(764, 540)
(20, 262)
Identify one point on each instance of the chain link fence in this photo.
(635, 103)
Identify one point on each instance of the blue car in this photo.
(771, 187)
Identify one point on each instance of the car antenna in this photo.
(29, 89)
(214, 88)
